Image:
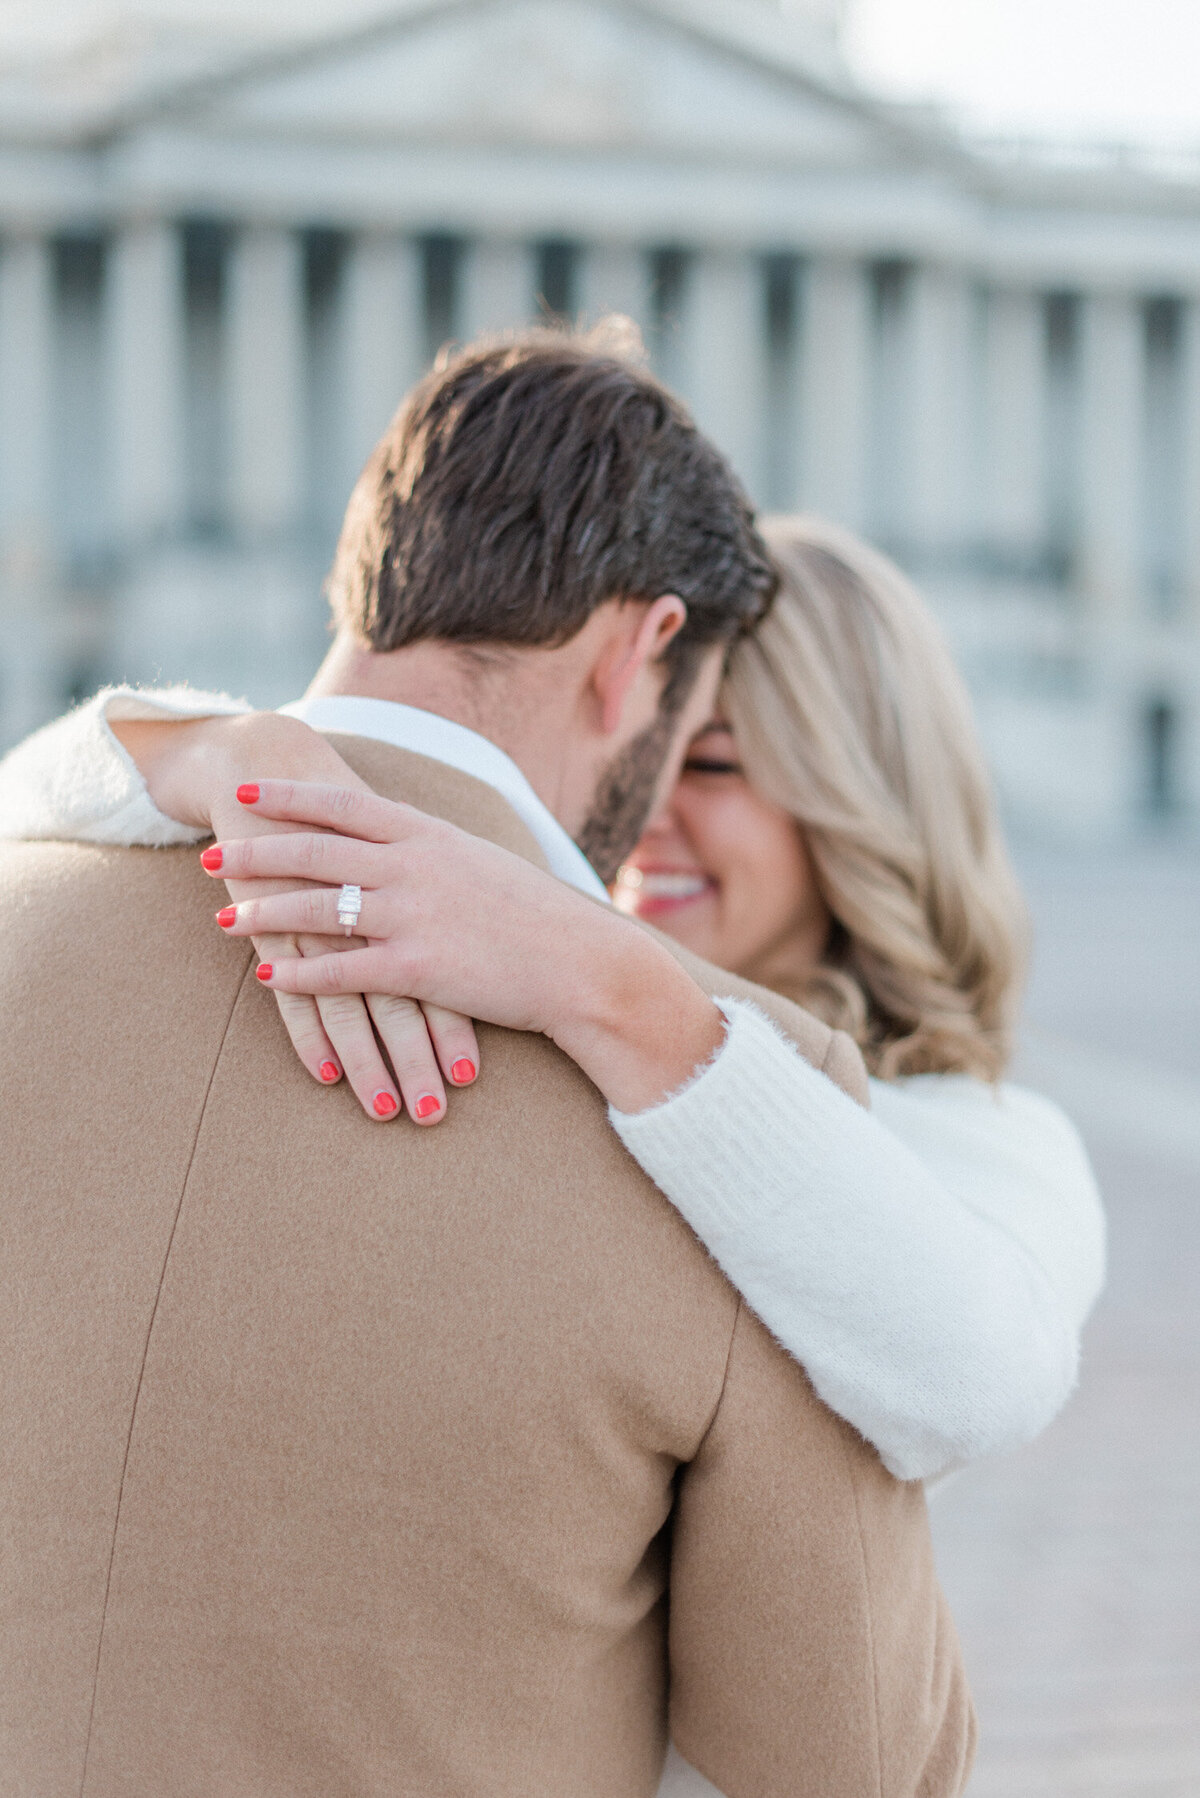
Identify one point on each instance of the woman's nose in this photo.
(665, 834)
(662, 821)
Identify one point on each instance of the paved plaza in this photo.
(1074, 1567)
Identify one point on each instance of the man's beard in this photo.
(625, 797)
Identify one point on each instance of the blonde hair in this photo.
(850, 714)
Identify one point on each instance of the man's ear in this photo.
(639, 641)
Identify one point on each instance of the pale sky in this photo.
(1116, 70)
(1121, 70)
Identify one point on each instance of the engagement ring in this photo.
(348, 907)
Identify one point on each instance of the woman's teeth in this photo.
(667, 886)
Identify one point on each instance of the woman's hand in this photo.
(461, 924)
(193, 770)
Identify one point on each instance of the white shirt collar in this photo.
(424, 733)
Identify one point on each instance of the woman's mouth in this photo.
(656, 890)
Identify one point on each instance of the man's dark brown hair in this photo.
(522, 484)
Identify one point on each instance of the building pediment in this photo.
(601, 75)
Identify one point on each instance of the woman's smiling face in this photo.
(723, 871)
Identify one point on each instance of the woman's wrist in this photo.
(193, 766)
(636, 1023)
(168, 754)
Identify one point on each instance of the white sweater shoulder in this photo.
(1018, 1162)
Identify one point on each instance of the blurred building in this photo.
(221, 263)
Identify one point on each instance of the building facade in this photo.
(217, 279)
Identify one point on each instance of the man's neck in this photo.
(494, 692)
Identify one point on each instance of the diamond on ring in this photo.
(349, 904)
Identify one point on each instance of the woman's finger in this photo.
(349, 811)
(311, 910)
(334, 1033)
(348, 1024)
(302, 1019)
(402, 1029)
(346, 1021)
(358, 971)
(454, 1042)
(326, 859)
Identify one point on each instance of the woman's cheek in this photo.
(736, 913)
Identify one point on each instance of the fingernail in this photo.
(385, 1105)
(463, 1072)
(248, 795)
(427, 1105)
(211, 859)
(227, 916)
(330, 1071)
(264, 970)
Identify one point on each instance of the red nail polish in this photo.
(463, 1072)
(227, 916)
(264, 970)
(211, 859)
(427, 1105)
(330, 1071)
(385, 1105)
(248, 795)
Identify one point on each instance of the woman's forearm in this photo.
(637, 1024)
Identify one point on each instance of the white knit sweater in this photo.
(930, 1263)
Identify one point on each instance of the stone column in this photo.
(26, 351)
(30, 684)
(266, 368)
(615, 277)
(834, 389)
(722, 356)
(146, 380)
(1014, 413)
(1111, 420)
(1189, 473)
(497, 283)
(382, 348)
(938, 445)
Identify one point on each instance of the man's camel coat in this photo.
(343, 1460)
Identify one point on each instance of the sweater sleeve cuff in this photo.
(697, 1145)
(73, 780)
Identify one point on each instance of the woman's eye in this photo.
(700, 765)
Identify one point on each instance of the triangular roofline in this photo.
(772, 46)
